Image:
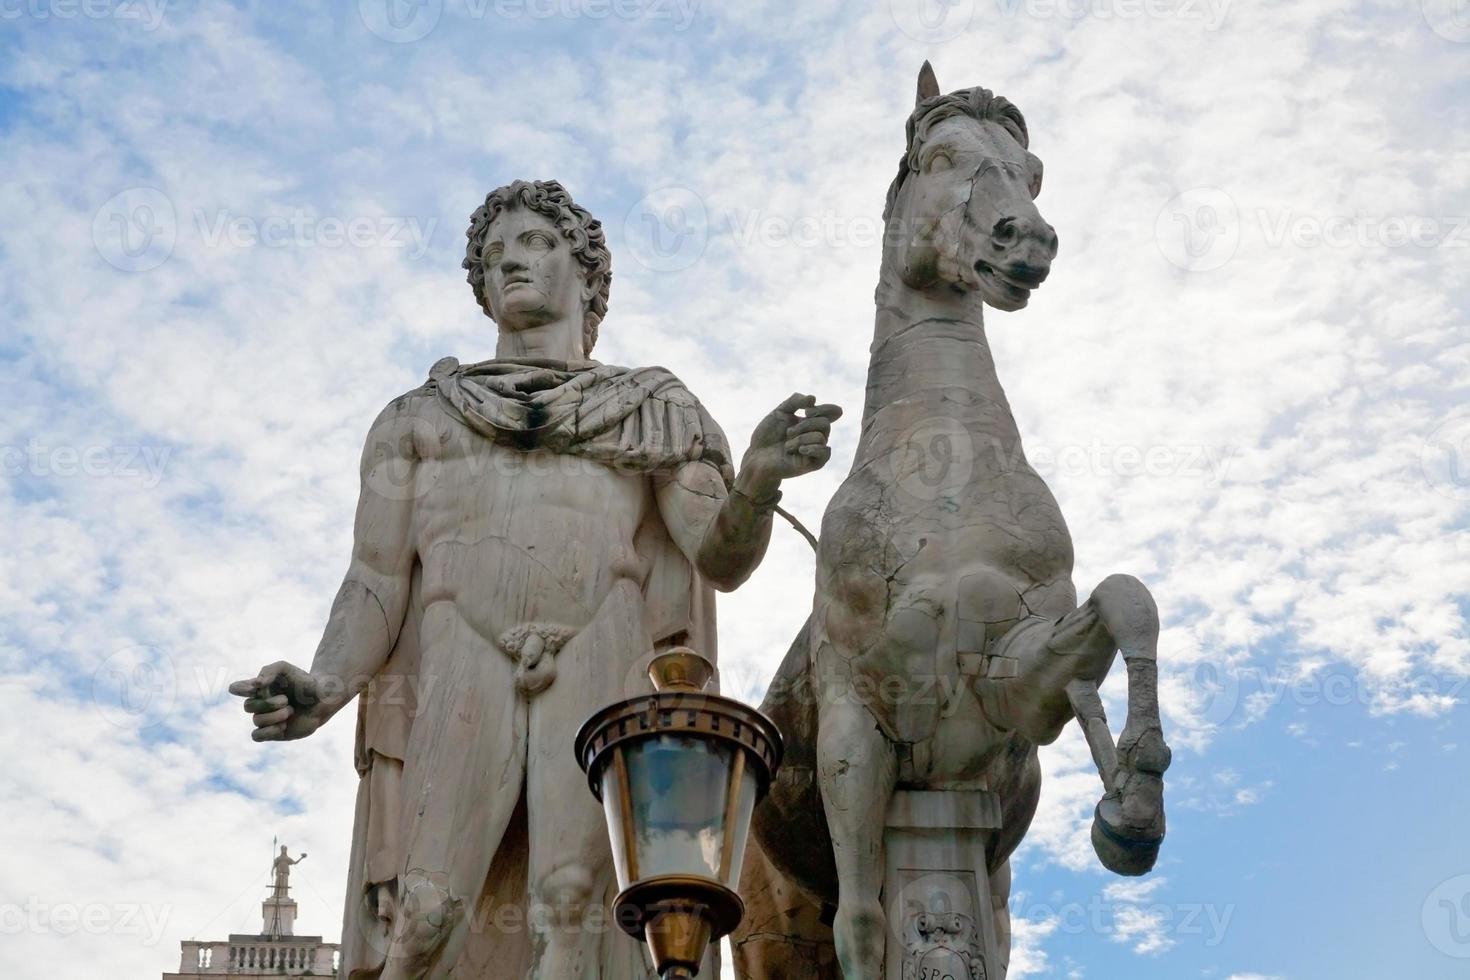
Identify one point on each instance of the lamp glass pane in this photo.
(744, 808)
(679, 786)
(613, 807)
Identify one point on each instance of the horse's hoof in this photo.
(1124, 851)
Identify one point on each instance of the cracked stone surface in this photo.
(945, 641)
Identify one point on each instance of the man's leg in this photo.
(571, 876)
(462, 779)
(570, 870)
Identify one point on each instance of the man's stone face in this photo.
(531, 276)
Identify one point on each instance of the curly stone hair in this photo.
(582, 231)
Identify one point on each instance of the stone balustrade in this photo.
(259, 955)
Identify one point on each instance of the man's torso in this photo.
(510, 536)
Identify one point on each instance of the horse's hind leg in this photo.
(857, 769)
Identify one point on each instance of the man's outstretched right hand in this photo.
(285, 702)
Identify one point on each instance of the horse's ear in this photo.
(928, 84)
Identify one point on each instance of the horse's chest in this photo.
(1027, 547)
(973, 558)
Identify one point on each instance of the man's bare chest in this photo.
(467, 486)
(512, 534)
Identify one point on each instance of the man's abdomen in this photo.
(512, 538)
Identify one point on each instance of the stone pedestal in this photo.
(935, 889)
(279, 916)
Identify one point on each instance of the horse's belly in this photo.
(911, 615)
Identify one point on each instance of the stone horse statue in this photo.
(945, 641)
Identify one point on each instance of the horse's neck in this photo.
(924, 343)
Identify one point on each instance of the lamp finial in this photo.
(680, 669)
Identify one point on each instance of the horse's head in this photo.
(960, 213)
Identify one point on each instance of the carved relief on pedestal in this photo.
(941, 935)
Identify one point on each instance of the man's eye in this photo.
(542, 242)
(939, 161)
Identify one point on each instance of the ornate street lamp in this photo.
(679, 773)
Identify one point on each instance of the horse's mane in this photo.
(976, 103)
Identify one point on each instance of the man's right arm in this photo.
(366, 616)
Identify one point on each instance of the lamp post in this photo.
(679, 773)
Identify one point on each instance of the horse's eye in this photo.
(939, 161)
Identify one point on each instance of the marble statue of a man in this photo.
(530, 530)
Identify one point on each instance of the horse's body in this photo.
(945, 641)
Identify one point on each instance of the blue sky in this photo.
(234, 232)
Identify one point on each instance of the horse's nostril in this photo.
(1023, 234)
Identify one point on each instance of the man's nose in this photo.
(511, 260)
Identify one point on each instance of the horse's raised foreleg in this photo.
(1087, 704)
(857, 769)
(1061, 665)
(1128, 825)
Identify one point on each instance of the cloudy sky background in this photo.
(233, 232)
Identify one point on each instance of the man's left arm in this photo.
(725, 532)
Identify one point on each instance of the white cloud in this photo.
(1028, 953)
(1303, 393)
